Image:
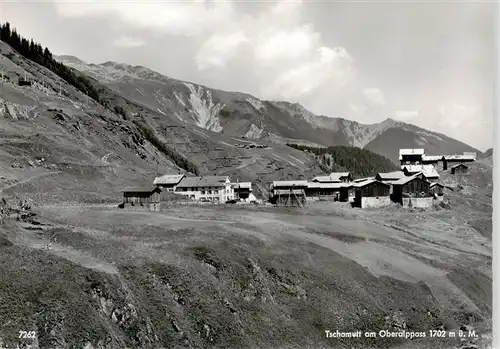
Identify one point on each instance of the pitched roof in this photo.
(460, 157)
(436, 184)
(362, 179)
(394, 175)
(430, 173)
(315, 185)
(332, 177)
(407, 179)
(204, 181)
(418, 151)
(298, 183)
(145, 188)
(286, 192)
(368, 182)
(432, 157)
(459, 165)
(418, 168)
(340, 174)
(168, 179)
(242, 185)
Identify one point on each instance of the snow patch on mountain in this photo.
(253, 132)
(257, 104)
(205, 110)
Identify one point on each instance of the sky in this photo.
(431, 64)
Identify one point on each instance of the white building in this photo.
(206, 188)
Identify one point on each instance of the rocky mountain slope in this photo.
(66, 127)
(245, 115)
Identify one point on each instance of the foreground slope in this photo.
(230, 277)
(241, 114)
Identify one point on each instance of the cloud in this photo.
(217, 51)
(358, 109)
(469, 123)
(286, 55)
(290, 45)
(374, 96)
(175, 18)
(458, 115)
(405, 115)
(129, 42)
(324, 70)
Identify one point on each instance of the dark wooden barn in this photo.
(242, 190)
(142, 195)
(410, 189)
(371, 193)
(328, 191)
(288, 197)
(23, 82)
(437, 190)
(459, 169)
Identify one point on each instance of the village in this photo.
(416, 185)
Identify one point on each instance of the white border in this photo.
(496, 192)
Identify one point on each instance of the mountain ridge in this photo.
(242, 114)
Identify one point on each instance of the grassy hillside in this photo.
(360, 162)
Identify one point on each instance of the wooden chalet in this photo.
(328, 191)
(288, 193)
(371, 193)
(437, 190)
(143, 195)
(458, 159)
(288, 197)
(412, 191)
(242, 190)
(168, 182)
(411, 156)
(432, 159)
(459, 169)
(430, 175)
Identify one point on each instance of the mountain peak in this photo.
(69, 59)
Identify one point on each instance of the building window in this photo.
(216, 192)
(203, 192)
(210, 191)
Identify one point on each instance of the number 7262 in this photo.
(27, 334)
